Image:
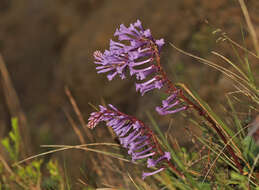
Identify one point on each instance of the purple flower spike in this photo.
(169, 103)
(145, 174)
(138, 50)
(133, 135)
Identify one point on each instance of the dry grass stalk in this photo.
(78, 113)
(250, 26)
(14, 107)
(75, 128)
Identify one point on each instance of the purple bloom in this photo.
(111, 62)
(134, 33)
(145, 174)
(153, 163)
(160, 43)
(143, 73)
(149, 85)
(169, 103)
(138, 50)
(133, 135)
(138, 156)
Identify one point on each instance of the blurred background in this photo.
(47, 45)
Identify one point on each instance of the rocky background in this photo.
(48, 44)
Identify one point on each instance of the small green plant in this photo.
(12, 142)
(29, 175)
(55, 179)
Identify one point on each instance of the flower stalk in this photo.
(171, 89)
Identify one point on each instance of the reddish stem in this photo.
(171, 89)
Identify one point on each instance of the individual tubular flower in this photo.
(170, 103)
(143, 73)
(151, 84)
(134, 136)
(153, 163)
(146, 174)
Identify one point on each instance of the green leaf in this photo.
(251, 149)
(12, 142)
(236, 119)
(6, 143)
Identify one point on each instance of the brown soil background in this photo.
(49, 44)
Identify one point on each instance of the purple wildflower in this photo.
(142, 52)
(169, 103)
(111, 62)
(160, 43)
(135, 50)
(153, 163)
(133, 135)
(143, 73)
(144, 87)
(135, 34)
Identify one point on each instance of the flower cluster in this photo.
(134, 136)
(138, 52)
(135, 51)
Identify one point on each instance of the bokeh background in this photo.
(48, 44)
